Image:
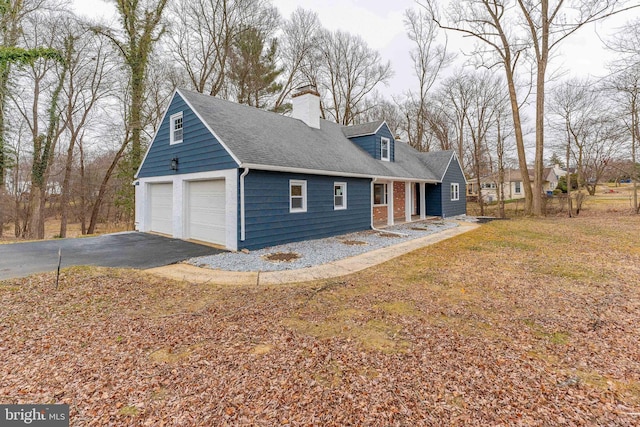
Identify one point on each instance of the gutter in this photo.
(333, 173)
(242, 220)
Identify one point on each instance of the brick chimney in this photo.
(306, 105)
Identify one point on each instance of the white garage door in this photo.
(162, 208)
(206, 211)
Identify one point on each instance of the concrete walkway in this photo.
(338, 268)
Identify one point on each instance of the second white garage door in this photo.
(161, 196)
(206, 211)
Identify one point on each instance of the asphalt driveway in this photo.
(129, 249)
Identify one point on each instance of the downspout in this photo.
(373, 181)
(242, 221)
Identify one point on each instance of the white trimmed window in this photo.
(518, 186)
(339, 195)
(175, 121)
(385, 149)
(379, 194)
(455, 191)
(297, 196)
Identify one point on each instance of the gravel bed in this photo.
(320, 251)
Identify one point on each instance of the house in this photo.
(513, 184)
(240, 177)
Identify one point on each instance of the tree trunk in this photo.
(635, 133)
(83, 196)
(522, 156)
(541, 62)
(103, 187)
(64, 199)
(500, 155)
(568, 181)
(41, 212)
(3, 205)
(480, 198)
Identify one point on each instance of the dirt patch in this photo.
(353, 242)
(281, 257)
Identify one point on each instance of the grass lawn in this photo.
(521, 322)
(52, 230)
(609, 198)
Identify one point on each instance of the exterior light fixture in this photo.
(174, 164)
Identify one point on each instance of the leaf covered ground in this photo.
(521, 322)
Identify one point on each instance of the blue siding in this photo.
(371, 143)
(454, 174)
(434, 199)
(198, 152)
(268, 221)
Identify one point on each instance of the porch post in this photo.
(408, 197)
(423, 201)
(390, 203)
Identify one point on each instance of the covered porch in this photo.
(398, 202)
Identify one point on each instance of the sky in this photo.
(380, 24)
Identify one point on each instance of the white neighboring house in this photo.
(559, 171)
(513, 188)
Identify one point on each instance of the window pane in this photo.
(378, 194)
(338, 201)
(337, 190)
(296, 190)
(177, 134)
(385, 149)
(296, 202)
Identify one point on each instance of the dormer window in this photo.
(175, 123)
(385, 148)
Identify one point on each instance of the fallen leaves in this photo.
(497, 327)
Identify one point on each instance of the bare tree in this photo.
(480, 118)
(351, 70)
(624, 84)
(298, 51)
(501, 113)
(377, 107)
(510, 29)
(39, 108)
(429, 58)
(203, 34)
(12, 16)
(141, 27)
(574, 105)
(593, 134)
(456, 94)
(89, 80)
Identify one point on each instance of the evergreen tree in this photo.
(253, 68)
(556, 160)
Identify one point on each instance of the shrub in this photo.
(562, 183)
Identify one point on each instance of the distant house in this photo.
(240, 177)
(513, 188)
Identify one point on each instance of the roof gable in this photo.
(201, 149)
(261, 139)
(364, 129)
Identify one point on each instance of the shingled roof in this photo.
(258, 138)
